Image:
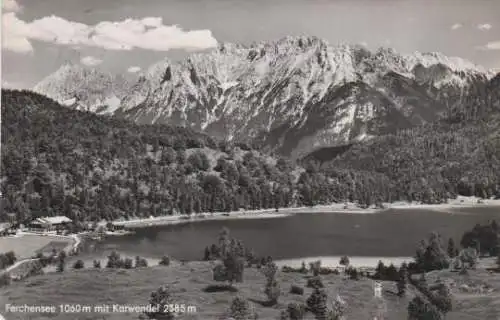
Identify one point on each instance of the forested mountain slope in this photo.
(60, 161)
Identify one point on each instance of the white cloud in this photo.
(148, 33)
(90, 61)
(484, 27)
(456, 26)
(11, 6)
(134, 69)
(494, 45)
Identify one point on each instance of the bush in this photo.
(79, 264)
(344, 261)
(294, 311)
(160, 299)
(325, 271)
(165, 261)
(7, 259)
(296, 290)
(231, 270)
(240, 310)
(128, 263)
(421, 309)
(316, 303)
(5, 279)
(315, 282)
(352, 273)
(140, 262)
(114, 260)
(272, 290)
(315, 267)
(219, 288)
(97, 264)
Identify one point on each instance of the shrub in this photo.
(418, 309)
(231, 270)
(296, 290)
(315, 282)
(219, 288)
(272, 291)
(159, 299)
(165, 261)
(128, 263)
(344, 261)
(325, 271)
(269, 270)
(240, 310)
(5, 279)
(316, 303)
(140, 262)
(315, 267)
(79, 264)
(294, 311)
(97, 264)
(352, 273)
(114, 260)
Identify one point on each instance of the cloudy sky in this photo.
(128, 35)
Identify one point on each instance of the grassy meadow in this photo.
(133, 287)
(27, 246)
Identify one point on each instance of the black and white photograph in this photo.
(250, 160)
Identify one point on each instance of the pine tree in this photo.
(160, 299)
(316, 303)
(403, 280)
(272, 288)
(240, 310)
(452, 249)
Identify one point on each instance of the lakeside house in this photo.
(48, 224)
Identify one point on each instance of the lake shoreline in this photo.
(352, 208)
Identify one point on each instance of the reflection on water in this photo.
(393, 233)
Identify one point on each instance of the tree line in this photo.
(94, 167)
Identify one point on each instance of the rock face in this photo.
(293, 95)
(85, 88)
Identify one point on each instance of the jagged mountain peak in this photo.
(300, 90)
(84, 88)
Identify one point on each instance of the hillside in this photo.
(60, 161)
(56, 160)
(187, 283)
(293, 95)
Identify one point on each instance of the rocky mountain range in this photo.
(293, 96)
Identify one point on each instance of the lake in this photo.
(392, 233)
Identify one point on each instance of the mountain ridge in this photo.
(244, 92)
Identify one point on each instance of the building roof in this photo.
(53, 220)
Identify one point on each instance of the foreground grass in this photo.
(133, 287)
(471, 304)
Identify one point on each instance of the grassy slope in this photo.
(28, 245)
(133, 287)
(470, 306)
(93, 287)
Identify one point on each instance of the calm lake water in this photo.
(393, 233)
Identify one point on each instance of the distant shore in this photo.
(354, 261)
(459, 202)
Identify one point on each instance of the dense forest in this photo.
(430, 163)
(60, 161)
